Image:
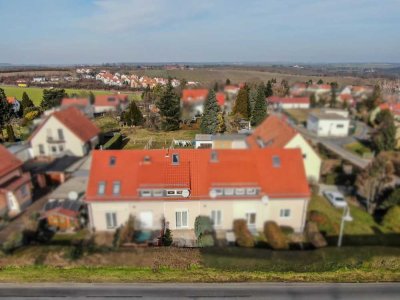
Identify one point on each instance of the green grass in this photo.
(299, 115)
(36, 93)
(359, 149)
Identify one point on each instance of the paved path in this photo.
(319, 291)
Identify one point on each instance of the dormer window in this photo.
(175, 159)
(276, 161)
(112, 161)
(214, 156)
(101, 188)
(116, 187)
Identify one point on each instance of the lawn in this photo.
(359, 149)
(36, 93)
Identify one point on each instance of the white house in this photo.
(329, 123)
(221, 141)
(289, 103)
(62, 132)
(110, 103)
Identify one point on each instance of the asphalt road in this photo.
(319, 291)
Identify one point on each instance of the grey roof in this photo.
(75, 184)
(66, 204)
(229, 137)
(203, 137)
(327, 116)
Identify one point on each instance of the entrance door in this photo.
(146, 220)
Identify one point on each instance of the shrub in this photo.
(391, 220)
(202, 225)
(242, 233)
(127, 231)
(205, 240)
(114, 143)
(117, 238)
(276, 238)
(323, 222)
(76, 252)
(286, 229)
(13, 242)
(167, 238)
(314, 236)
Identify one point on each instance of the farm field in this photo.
(36, 93)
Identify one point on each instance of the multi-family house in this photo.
(172, 187)
(193, 100)
(110, 103)
(275, 132)
(289, 102)
(15, 185)
(83, 104)
(64, 132)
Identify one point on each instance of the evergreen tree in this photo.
(332, 102)
(133, 115)
(26, 101)
(384, 138)
(313, 100)
(10, 133)
(268, 89)
(320, 81)
(228, 81)
(170, 110)
(252, 98)
(52, 98)
(6, 111)
(216, 87)
(242, 105)
(372, 101)
(221, 123)
(260, 108)
(209, 120)
(92, 98)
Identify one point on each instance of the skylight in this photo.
(175, 159)
(276, 161)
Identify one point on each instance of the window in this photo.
(228, 192)
(61, 148)
(101, 188)
(41, 149)
(54, 149)
(251, 219)
(158, 193)
(339, 126)
(276, 161)
(216, 217)
(60, 134)
(240, 192)
(116, 187)
(251, 191)
(218, 192)
(214, 156)
(145, 193)
(111, 219)
(181, 218)
(284, 213)
(304, 156)
(112, 161)
(175, 159)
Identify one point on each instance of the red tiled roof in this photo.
(393, 107)
(11, 100)
(8, 162)
(220, 98)
(195, 171)
(190, 95)
(231, 88)
(75, 101)
(286, 100)
(110, 100)
(273, 132)
(75, 121)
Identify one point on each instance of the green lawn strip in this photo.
(194, 274)
(358, 148)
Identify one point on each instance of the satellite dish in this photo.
(185, 193)
(213, 194)
(73, 196)
(265, 199)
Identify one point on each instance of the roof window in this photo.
(276, 161)
(175, 159)
(112, 161)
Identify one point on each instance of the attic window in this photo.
(276, 161)
(175, 159)
(146, 159)
(214, 156)
(260, 142)
(101, 188)
(112, 161)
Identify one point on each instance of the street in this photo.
(202, 291)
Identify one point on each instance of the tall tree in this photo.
(221, 128)
(242, 104)
(170, 110)
(320, 81)
(216, 86)
(268, 89)
(133, 115)
(209, 120)
(92, 98)
(6, 111)
(253, 92)
(52, 98)
(26, 101)
(372, 101)
(373, 180)
(332, 102)
(384, 139)
(313, 100)
(228, 81)
(260, 108)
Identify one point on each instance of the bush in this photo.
(117, 238)
(391, 220)
(13, 242)
(114, 143)
(167, 238)
(202, 225)
(323, 222)
(127, 231)
(76, 252)
(242, 233)
(286, 230)
(276, 238)
(314, 236)
(205, 240)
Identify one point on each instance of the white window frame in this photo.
(248, 217)
(251, 191)
(103, 184)
(158, 193)
(181, 226)
(113, 220)
(217, 221)
(230, 193)
(116, 184)
(145, 193)
(240, 191)
(283, 211)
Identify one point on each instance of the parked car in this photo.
(335, 198)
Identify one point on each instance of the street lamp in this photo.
(346, 217)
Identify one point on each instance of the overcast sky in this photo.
(97, 31)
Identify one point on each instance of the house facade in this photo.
(64, 132)
(289, 103)
(221, 141)
(83, 104)
(173, 187)
(192, 102)
(276, 132)
(15, 185)
(328, 123)
(110, 103)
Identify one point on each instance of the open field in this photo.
(36, 93)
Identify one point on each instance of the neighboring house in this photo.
(298, 89)
(15, 185)
(275, 132)
(63, 132)
(22, 151)
(174, 186)
(394, 108)
(63, 214)
(192, 101)
(221, 141)
(83, 104)
(289, 103)
(110, 103)
(329, 123)
(39, 79)
(16, 105)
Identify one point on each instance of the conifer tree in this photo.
(170, 110)
(209, 120)
(52, 98)
(268, 89)
(242, 104)
(260, 108)
(133, 116)
(252, 98)
(92, 98)
(5, 111)
(26, 101)
(221, 122)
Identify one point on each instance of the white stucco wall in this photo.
(326, 127)
(312, 162)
